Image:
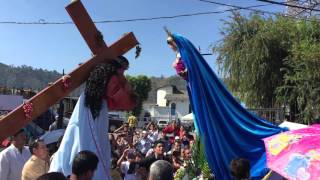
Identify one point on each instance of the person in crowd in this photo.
(172, 130)
(153, 132)
(192, 142)
(141, 172)
(13, 158)
(114, 146)
(52, 176)
(240, 169)
(122, 142)
(157, 155)
(55, 124)
(124, 155)
(128, 167)
(176, 147)
(144, 144)
(150, 151)
(38, 164)
(186, 154)
(84, 166)
(185, 142)
(166, 140)
(161, 170)
(176, 160)
(133, 122)
(124, 129)
(182, 131)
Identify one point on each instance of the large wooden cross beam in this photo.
(17, 119)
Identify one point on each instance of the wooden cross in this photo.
(17, 119)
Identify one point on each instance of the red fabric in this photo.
(118, 94)
(182, 133)
(170, 129)
(5, 143)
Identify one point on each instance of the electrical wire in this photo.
(256, 10)
(289, 5)
(234, 7)
(43, 22)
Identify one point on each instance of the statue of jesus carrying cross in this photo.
(106, 89)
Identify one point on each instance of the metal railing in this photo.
(273, 115)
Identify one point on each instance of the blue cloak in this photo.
(227, 129)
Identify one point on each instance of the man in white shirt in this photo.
(144, 144)
(128, 170)
(13, 158)
(153, 132)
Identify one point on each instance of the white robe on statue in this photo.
(84, 133)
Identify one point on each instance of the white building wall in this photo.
(182, 108)
(161, 93)
(161, 110)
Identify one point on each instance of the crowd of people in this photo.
(134, 150)
(136, 153)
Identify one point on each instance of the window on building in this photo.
(173, 109)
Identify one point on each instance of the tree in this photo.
(301, 86)
(141, 85)
(272, 62)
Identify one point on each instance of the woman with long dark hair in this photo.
(106, 89)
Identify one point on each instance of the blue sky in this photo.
(57, 47)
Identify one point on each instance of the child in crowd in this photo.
(240, 168)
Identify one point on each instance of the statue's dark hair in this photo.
(97, 82)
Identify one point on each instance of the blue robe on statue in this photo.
(227, 130)
(84, 133)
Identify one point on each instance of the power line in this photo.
(255, 10)
(289, 5)
(249, 8)
(234, 7)
(238, 7)
(43, 22)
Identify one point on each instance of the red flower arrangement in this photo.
(66, 82)
(28, 109)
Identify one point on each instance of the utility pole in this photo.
(60, 111)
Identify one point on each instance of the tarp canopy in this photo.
(52, 136)
(292, 125)
(188, 117)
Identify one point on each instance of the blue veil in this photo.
(227, 129)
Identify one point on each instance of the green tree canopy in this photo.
(272, 62)
(141, 85)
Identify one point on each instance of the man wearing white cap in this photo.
(144, 144)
